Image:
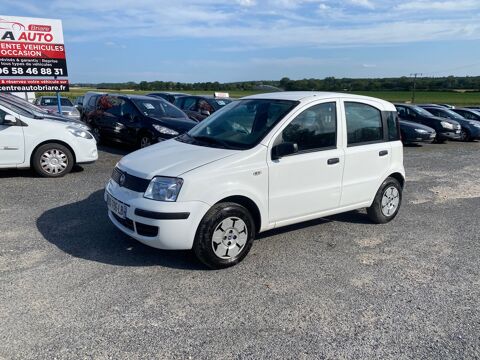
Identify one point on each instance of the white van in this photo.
(261, 162)
(51, 147)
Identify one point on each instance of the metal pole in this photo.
(59, 102)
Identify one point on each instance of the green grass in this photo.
(454, 98)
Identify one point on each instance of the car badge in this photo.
(122, 179)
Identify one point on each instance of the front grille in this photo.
(146, 230)
(125, 222)
(131, 182)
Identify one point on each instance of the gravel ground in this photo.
(72, 286)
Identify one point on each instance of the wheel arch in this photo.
(399, 177)
(249, 204)
(60, 142)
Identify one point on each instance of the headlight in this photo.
(164, 130)
(447, 125)
(79, 132)
(421, 131)
(163, 189)
(79, 125)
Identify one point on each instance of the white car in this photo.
(50, 146)
(261, 162)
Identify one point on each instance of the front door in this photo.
(309, 181)
(12, 143)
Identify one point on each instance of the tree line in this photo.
(328, 84)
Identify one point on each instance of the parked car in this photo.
(50, 103)
(470, 129)
(40, 113)
(89, 105)
(414, 132)
(263, 162)
(198, 107)
(171, 97)
(49, 145)
(469, 114)
(137, 120)
(446, 129)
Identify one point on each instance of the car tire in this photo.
(52, 160)
(387, 202)
(96, 134)
(465, 135)
(438, 140)
(225, 235)
(144, 140)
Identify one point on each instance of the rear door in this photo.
(367, 154)
(12, 142)
(309, 181)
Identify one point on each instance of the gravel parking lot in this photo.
(340, 287)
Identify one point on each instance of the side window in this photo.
(127, 109)
(393, 126)
(314, 128)
(364, 123)
(92, 101)
(188, 103)
(401, 112)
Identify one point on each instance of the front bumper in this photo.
(162, 225)
(85, 150)
(450, 135)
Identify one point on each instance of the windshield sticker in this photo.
(149, 106)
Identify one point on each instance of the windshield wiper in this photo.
(211, 140)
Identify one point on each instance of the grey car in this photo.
(50, 103)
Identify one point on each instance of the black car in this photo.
(469, 114)
(470, 129)
(446, 129)
(137, 120)
(171, 97)
(414, 132)
(198, 107)
(89, 104)
(78, 103)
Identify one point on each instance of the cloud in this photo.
(440, 5)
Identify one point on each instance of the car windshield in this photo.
(422, 111)
(16, 108)
(158, 108)
(52, 101)
(221, 102)
(241, 124)
(453, 114)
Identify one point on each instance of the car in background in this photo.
(89, 104)
(40, 113)
(448, 106)
(171, 97)
(137, 120)
(476, 107)
(50, 103)
(469, 114)
(414, 132)
(445, 129)
(49, 145)
(198, 107)
(470, 129)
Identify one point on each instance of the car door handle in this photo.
(383, 153)
(333, 161)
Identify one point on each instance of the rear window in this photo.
(393, 126)
(53, 101)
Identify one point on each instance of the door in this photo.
(108, 119)
(308, 181)
(12, 143)
(130, 120)
(367, 155)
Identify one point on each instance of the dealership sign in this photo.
(32, 55)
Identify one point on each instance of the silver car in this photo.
(50, 103)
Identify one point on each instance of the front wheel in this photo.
(52, 160)
(224, 236)
(144, 141)
(465, 136)
(387, 202)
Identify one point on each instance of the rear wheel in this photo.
(224, 236)
(387, 202)
(52, 160)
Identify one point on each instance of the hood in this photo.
(438, 118)
(179, 125)
(170, 158)
(414, 125)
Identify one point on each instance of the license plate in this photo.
(117, 207)
(457, 132)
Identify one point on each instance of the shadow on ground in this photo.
(83, 230)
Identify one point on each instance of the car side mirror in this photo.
(9, 120)
(284, 149)
(205, 112)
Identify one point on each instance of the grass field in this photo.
(454, 98)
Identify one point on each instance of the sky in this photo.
(242, 40)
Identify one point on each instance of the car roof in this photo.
(167, 93)
(308, 96)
